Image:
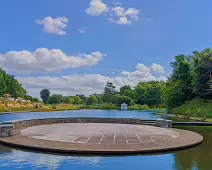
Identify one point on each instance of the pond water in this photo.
(197, 158)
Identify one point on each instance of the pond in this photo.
(190, 159)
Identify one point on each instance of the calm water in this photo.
(191, 159)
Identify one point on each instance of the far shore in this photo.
(163, 110)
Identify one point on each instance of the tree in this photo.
(123, 89)
(149, 93)
(68, 100)
(35, 100)
(55, 99)
(9, 85)
(119, 99)
(91, 100)
(202, 72)
(44, 95)
(77, 100)
(99, 98)
(83, 98)
(109, 91)
(28, 97)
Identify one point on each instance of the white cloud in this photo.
(123, 16)
(87, 83)
(54, 26)
(122, 21)
(96, 8)
(157, 68)
(43, 161)
(116, 3)
(45, 60)
(117, 14)
(83, 30)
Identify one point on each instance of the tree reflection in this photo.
(199, 157)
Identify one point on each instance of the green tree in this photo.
(124, 88)
(68, 100)
(202, 73)
(77, 100)
(83, 98)
(109, 92)
(44, 95)
(35, 100)
(28, 97)
(99, 98)
(119, 99)
(91, 100)
(55, 99)
(10, 85)
(149, 93)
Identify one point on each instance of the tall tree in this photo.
(44, 95)
(55, 99)
(202, 73)
(109, 92)
(77, 100)
(10, 85)
(91, 100)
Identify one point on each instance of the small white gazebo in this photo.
(124, 106)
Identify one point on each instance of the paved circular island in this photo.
(102, 138)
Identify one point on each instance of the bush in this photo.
(195, 108)
(138, 107)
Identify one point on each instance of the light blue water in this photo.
(12, 159)
(80, 113)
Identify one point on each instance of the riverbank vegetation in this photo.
(189, 88)
(188, 91)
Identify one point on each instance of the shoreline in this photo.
(49, 111)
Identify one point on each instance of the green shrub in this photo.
(195, 108)
(138, 107)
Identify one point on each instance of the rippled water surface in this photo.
(191, 159)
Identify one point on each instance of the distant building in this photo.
(124, 106)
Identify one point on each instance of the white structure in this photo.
(124, 106)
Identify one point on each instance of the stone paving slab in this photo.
(102, 138)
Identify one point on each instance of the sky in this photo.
(75, 47)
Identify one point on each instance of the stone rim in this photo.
(188, 139)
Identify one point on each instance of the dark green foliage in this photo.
(44, 95)
(202, 73)
(138, 107)
(109, 92)
(119, 99)
(91, 100)
(9, 85)
(191, 78)
(32, 99)
(83, 98)
(99, 98)
(55, 99)
(68, 100)
(196, 108)
(149, 93)
(77, 100)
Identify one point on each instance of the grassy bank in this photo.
(40, 109)
(13, 107)
(194, 108)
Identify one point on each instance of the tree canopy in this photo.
(55, 99)
(45, 95)
(91, 100)
(10, 85)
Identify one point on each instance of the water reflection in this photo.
(198, 158)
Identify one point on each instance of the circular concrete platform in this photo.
(102, 138)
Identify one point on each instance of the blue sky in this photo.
(98, 41)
